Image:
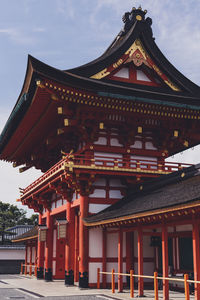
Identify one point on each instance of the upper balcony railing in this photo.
(106, 163)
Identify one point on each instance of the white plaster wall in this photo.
(148, 269)
(54, 267)
(112, 245)
(101, 141)
(95, 242)
(54, 243)
(59, 203)
(95, 208)
(186, 227)
(28, 254)
(98, 193)
(74, 197)
(149, 146)
(109, 267)
(142, 76)
(123, 73)
(115, 142)
(12, 254)
(111, 155)
(147, 250)
(33, 255)
(115, 194)
(93, 272)
(137, 145)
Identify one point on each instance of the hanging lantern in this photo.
(61, 229)
(42, 233)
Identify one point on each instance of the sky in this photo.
(69, 33)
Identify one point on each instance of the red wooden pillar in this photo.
(76, 248)
(40, 253)
(26, 256)
(83, 244)
(69, 246)
(104, 257)
(49, 247)
(30, 259)
(196, 257)
(129, 255)
(165, 262)
(120, 260)
(140, 263)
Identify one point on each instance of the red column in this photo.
(49, 247)
(30, 260)
(165, 262)
(83, 244)
(40, 253)
(76, 247)
(104, 257)
(140, 263)
(69, 246)
(120, 260)
(26, 256)
(196, 257)
(129, 255)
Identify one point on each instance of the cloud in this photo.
(17, 36)
(66, 8)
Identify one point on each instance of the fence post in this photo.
(156, 285)
(98, 278)
(30, 269)
(35, 271)
(113, 281)
(186, 284)
(131, 283)
(21, 268)
(25, 269)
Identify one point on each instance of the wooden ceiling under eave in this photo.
(39, 121)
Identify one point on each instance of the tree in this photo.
(11, 215)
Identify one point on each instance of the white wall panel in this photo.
(115, 142)
(101, 141)
(148, 251)
(98, 193)
(12, 254)
(95, 208)
(54, 243)
(93, 272)
(115, 194)
(109, 267)
(112, 245)
(186, 227)
(28, 254)
(54, 267)
(95, 242)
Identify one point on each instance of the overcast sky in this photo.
(68, 33)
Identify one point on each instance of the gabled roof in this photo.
(31, 115)
(166, 192)
(28, 235)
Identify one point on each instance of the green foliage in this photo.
(11, 215)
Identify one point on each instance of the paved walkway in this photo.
(33, 288)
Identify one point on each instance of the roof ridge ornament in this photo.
(129, 18)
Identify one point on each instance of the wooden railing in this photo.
(107, 163)
(155, 278)
(32, 269)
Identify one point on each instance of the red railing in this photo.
(107, 163)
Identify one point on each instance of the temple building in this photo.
(101, 134)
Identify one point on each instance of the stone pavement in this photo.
(26, 287)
